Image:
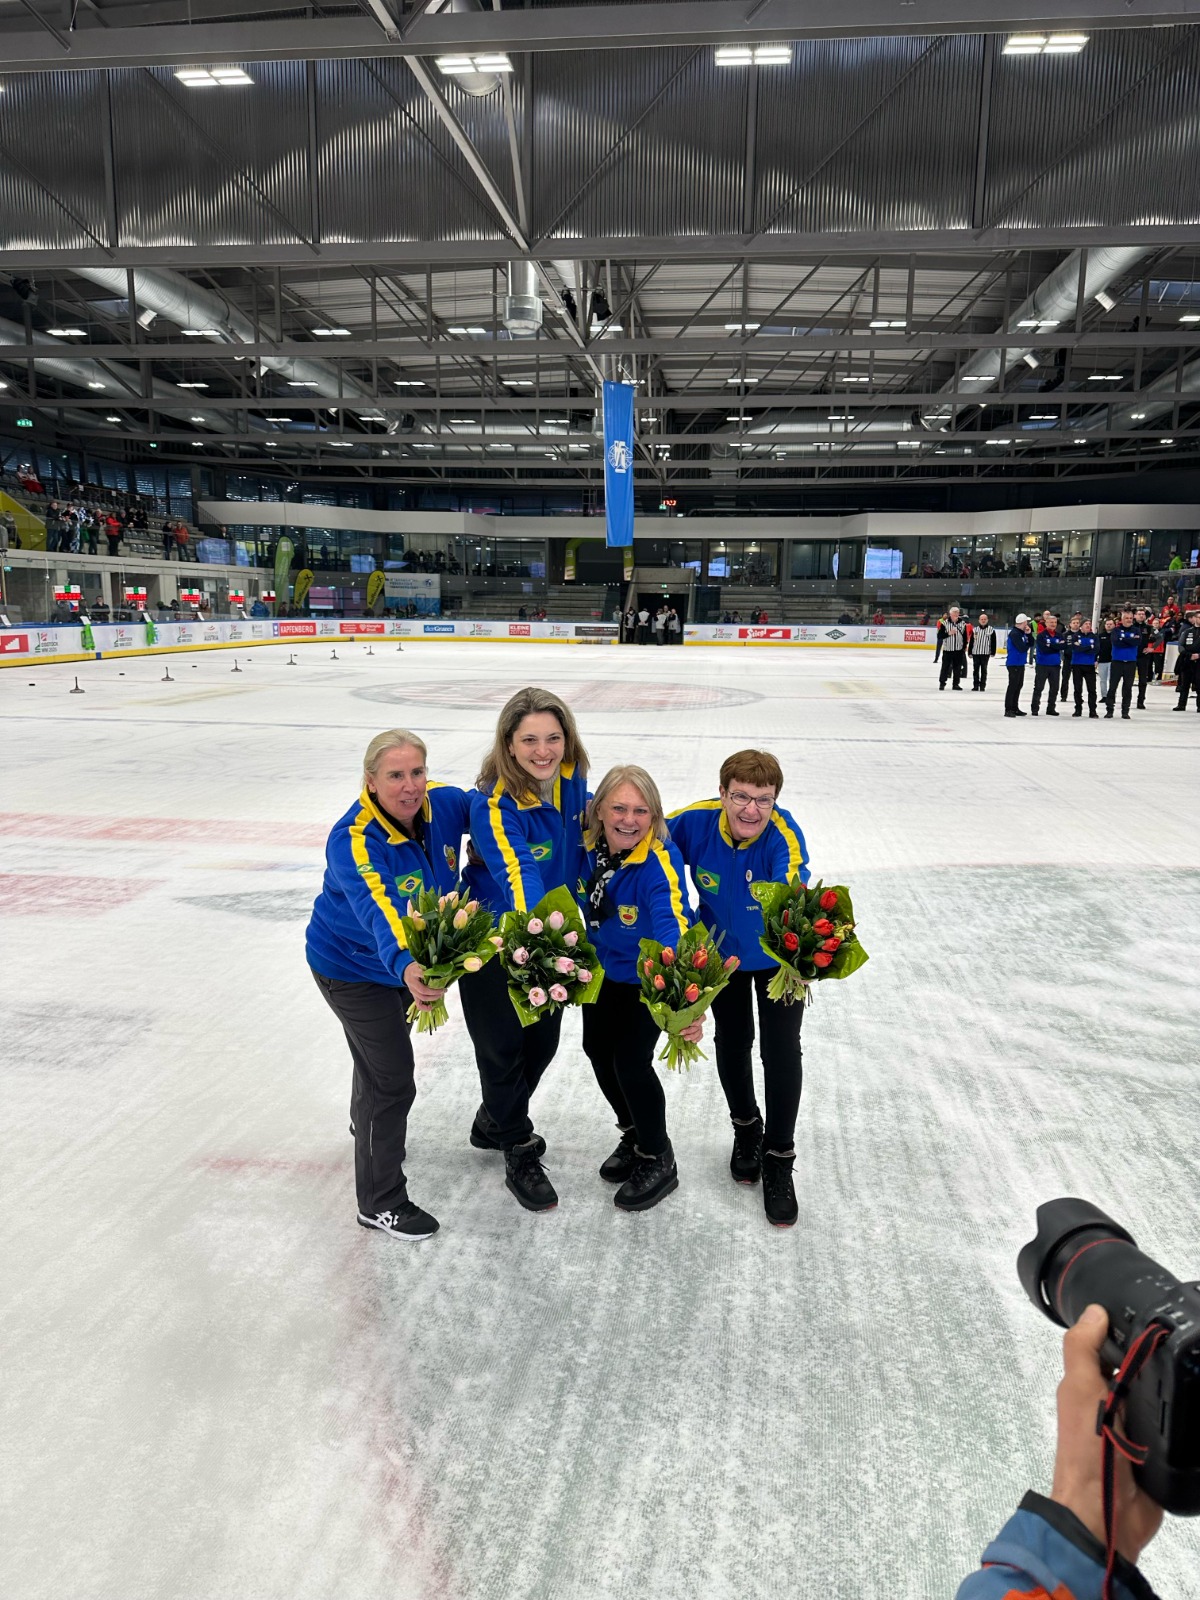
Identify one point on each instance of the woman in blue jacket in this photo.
(401, 835)
(729, 843)
(527, 815)
(632, 889)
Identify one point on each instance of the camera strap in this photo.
(1114, 1443)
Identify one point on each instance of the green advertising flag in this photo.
(151, 633)
(87, 638)
(284, 551)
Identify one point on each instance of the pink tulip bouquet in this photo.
(547, 958)
(447, 935)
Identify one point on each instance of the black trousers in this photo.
(1046, 677)
(779, 1046)
(1066, 680)
(1144, 674)
(1084, 675)
(1016, 682)
(511, 1059)
(1121, 677)
(374, 1020)
(979, 666)
(1188, 678)
(954, 662)
(619, 1039)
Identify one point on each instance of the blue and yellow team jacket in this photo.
(1043, 1553)
(371, 869)
(723, 869)
(647, 898)
(526, 847)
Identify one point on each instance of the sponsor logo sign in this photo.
(212, 633)
(481, 630)
(834, 633)
(235, 632)
(596, 630)
(437, 627)
(295, 630)
(914, 635)
(122, 639)
(518, 630)
(362, 627)
(185, 636)
(45, 643)
(14, 644)
(764, 633)
(876, 635)
(558, 630)
(806, 633)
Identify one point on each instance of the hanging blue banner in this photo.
(618, 463)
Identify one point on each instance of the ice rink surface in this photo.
(218, 1387)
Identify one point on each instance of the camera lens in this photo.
(1054, 1268)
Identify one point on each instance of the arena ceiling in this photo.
(877, 247)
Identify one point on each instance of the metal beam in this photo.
(555, 28)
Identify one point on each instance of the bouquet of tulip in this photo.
(809, 931)
(547, 957)
(447, 935)
(679, 983)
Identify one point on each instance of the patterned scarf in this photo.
(608, 863)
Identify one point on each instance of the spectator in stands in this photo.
(9, 537)
(878, 620)
(846, 618)
(90, 530)
(168, 539)
(112, 532)
(181, 540)
(100, 611)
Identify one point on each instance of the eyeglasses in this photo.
(751, 802)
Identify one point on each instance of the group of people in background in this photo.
(531, 825)
(640, 625)
(1126, 654)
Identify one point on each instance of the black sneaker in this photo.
(779, 1194)
(745, 1164)
(407, 1221)
(1051, 713)
(652, 1179)
(524, 1177)
(1093, 713)
(621, 1163)
(1078, 713)
(483, 1139)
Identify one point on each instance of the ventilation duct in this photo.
(1160, 397)
(474, 83)
(1054, 300)
(522, 303)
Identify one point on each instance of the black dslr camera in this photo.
(1079, 1258)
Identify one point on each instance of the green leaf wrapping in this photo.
(796, 969)
(545, 948)
(669, 1008)
(441, 950)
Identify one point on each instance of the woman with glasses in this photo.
(728, 844)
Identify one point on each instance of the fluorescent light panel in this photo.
(759, 55)
(460, 66)
(213, 77)
(1048, 44)
(68, 333)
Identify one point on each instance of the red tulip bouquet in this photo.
(547, 957)
(679, 983)
(447, 935)
(810, 933)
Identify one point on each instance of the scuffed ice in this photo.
(217, 1386)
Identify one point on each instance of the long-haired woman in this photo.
(527, 814)
(632, 890)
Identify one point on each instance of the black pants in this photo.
(1143, 678)
(619, 1037)
(1045, 677)
(1156, 665)
(1121, 677)
(1066, 679)
(1188, 681)
(373, 1018)
(954, 662)
(779, 1047)
(1084, 675)
(1016, 682)
(510, 1058)
(979, 666)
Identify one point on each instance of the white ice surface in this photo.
(217, 1387)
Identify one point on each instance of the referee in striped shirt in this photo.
(952, 647)
(982, 649)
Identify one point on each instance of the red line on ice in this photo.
(158, 830)
(42, 894)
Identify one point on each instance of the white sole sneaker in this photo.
(396, 1233)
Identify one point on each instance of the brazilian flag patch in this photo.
(451, 855)
(412, 884)
(542, 850)
(709, 880)
(628, 915)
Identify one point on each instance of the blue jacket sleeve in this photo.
(788, 852)
(670, 914)
(1043, 1552)
(500, 840)
(355, 870)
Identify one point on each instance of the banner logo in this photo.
(618, 463)
(914, 635)
(14, 644)
(618, 456)
(518, 630)
(438, 627)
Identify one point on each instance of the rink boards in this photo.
(21, 645)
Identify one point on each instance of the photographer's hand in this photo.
(1077, 1464)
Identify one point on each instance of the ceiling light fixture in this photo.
(460, 329)
(95, 385)
(1030, 359)
(191, 386)
(212, 77)
(741, 380)
(201, 333)
(1138, 416)
(758, 55)
(1038, 322)
(302, 383)
(331, 333)
(68, 333)
(408, 383)
(1166, 441)
(112, 419)
(742, 327)
(195, 419)
(856, 380)
(1049, 44)
(1105, 301)
(1105, 377)
(883, 322)
(460, 66)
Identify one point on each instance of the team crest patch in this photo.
(628, 915)
(709, 880)
(451, 855)
(412, 884)
(542, 850)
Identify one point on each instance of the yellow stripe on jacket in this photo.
(673, 884)
(508, 855)
(362, 860)
(795, 858)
